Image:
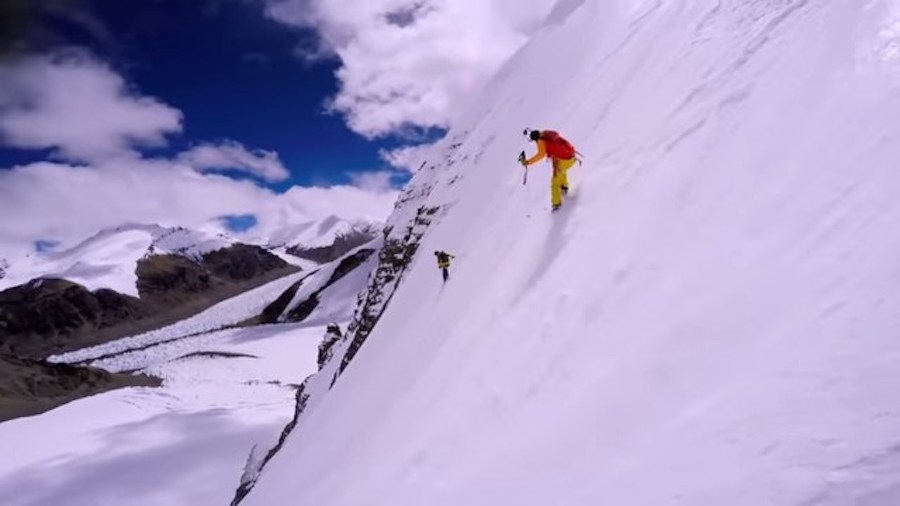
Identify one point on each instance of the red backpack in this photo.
(557, 146)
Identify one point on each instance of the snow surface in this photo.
(227, 395)
(337, 302)
(184, 443)
(711, 320)
(306, 265)
(228, 312)
(109, 258)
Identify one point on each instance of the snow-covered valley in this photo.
(183, 443)
(227, 391)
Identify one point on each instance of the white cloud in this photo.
(408, 158)
(87, 112)
(412, 62)
(377, 181)
(233, 155)
(73, 103)
(300, 204)
(68, 203)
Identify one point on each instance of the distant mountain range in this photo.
(109, 259)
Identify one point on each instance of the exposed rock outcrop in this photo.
(46, 315)
(271, 313)
(305, 307)
(337, 350)
(49, 316)
(241, 262)
(333, 334)
(393, 259)
(342, 244)
(28, 387)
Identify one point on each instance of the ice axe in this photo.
(522, 161)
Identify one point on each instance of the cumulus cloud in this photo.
(86, 112)
(408, 158)
(78, 106)
(265, 165)
(411, 62)
(374, 181)
(301, 203)
(67, 203)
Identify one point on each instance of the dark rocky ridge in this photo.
(271, 313)
(29, 387)
(50, 316)
(342, 244)
(394, 257)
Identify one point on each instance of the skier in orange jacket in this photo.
(561, 153)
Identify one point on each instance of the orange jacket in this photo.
(540, 155)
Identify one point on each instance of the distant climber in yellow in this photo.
(563, 156)
(443, 261)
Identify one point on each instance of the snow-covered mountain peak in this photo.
(314, 234)
(328, 223)
(108, 259)
(189, 242)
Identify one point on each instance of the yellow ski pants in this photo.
(560, 178)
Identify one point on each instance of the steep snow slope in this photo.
(109, 258)
(712, 318)
(184, 443)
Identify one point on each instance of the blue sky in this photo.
(185, 112)
(235, 74)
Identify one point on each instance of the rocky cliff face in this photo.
(305, 308)
(336, 351)
(343, 243)
(51, 316)
(29, 387)
(241, 262)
